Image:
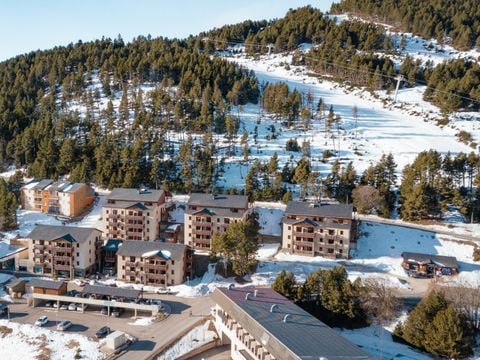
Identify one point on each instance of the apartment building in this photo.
(134, 214)
(59, 198)
(328, 230)
(260, 324)
(154, 263)
(63, 251)
(207, 214)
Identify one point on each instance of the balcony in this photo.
(155, 276)
(202, 232)
(155, 267)
(309, 235)
(62, 267)
(38, 247)
(303, 243)
(134, 217)
(62, 249)
(131, 263)
(62, 258)
(201, 223)
(130, 273)
(114, 216)
(38, 256)
(201, 241)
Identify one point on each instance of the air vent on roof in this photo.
(248, 295)
(273, 307)
(314, 206)
(255, 292)
(231, 286)
(286, 317)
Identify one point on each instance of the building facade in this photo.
(59, 198)
(63, 251)
(133, 214)
(260, 324)
(154, 263)
(328, 230)
(207, 214)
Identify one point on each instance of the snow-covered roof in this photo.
(444, 261)
(152, 248)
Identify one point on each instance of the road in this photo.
(428, 228)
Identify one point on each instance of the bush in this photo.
(476, 254)
(292, 145)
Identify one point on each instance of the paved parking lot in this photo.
(185, 312)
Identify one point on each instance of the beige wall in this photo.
(27, 199)
(83, 254)
(150, 222)
(175, 269)
(341, 238)
(217, 225)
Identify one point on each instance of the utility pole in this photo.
(399, 79)
(269, 46)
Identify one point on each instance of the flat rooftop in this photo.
(302, 336)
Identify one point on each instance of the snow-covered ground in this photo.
(195, 338)
(20, 342)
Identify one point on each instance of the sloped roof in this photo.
(322, 210)
(219, 201)
(53, 232)
(302, 336)
(121, 194)
(446, 261)
(126, 205)
(45, 284)
(147, 249)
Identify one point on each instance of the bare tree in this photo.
(465, 298)
(366, 199)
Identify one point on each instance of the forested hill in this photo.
(41, 130)
(458, 20)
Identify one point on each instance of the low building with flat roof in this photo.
(48, 287)
(261, 324)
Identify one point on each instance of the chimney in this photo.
(231, 286)
(255, 292)
(248, 295)
(286, 317)
(273, 307)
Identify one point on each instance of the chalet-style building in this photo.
(133, 214)
(260, 324)
(426, 265)
(207, 214)
(328, 230)
(63, 251)
(60, 198)
(47, 287)
(154, 263)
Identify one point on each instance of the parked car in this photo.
(72, 307)
(80, 282)
(102, 332)
(64, 307)
(42, 321)
(48, 304)
(79, 307)
(163, 290)
(64, 325)
(72, 293)
(55, 304)
(116, 312)
(104, 311)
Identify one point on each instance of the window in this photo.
(173, 272)
(173, 262)
(148, 213)
(148, 221)
(78, 263)
(107, 211)
(78, 254)
(330, 251)
(288, 237)
(123, 267)
(341, 232)
(289, 228)
(189, 218)
(218, 219)
(78, 245)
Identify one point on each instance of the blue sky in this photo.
(27, 25)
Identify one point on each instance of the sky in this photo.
(27, 25)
